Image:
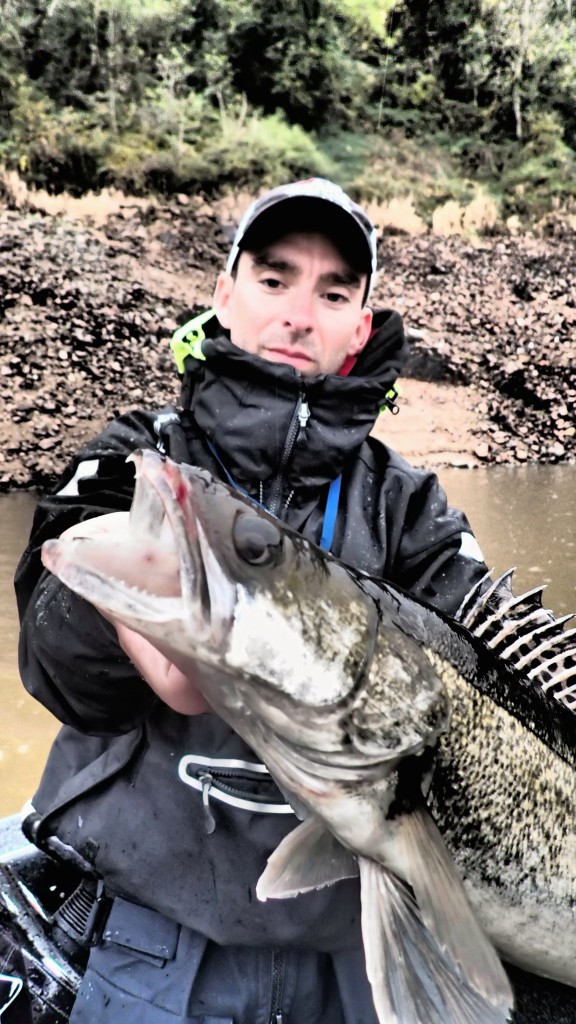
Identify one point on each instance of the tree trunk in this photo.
(517, 108)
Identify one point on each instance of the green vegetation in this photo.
(437, 101)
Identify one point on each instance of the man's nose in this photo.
(299, 315)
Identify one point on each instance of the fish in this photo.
(431, 756)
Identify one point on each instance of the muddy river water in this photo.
(522, 516)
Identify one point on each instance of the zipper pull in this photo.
(209, 820)
(304, 413)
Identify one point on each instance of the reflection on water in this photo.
(523, 517)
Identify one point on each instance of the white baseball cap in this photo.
(315, 205)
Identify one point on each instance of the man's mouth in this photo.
(288, 355)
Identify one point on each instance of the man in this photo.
(282, 384)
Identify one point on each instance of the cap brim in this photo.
(312, 216)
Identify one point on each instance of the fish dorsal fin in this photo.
(412, 980)
(524, 634)
(308, 858)
(483, 592)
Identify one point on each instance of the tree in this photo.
(307, 59)
(531, 42)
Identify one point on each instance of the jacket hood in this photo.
(265, 419)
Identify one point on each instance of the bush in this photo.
(230, 154)
(543, 169)
(193, 146)
(260, 152)
(392, 165)
(234, 154)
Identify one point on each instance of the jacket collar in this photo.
(274, 427)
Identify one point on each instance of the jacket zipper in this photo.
(224, 782)
(278, 971)
(221, 790)
(209, 820)
(299, 420)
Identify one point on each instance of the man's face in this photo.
(296, 302)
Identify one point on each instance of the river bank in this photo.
(89, 300)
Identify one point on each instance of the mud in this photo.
(88, 304)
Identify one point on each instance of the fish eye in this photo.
(257, 541)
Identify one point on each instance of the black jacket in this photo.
(123, 784)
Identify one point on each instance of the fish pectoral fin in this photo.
(308, 858)
(412, 980)
(445, 908)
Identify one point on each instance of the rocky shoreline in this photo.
(88, 306)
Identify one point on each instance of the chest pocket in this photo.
(246, 785)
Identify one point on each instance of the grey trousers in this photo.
(148, 969)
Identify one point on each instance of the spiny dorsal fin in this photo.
(477, 598)
(524, 634)
(550, 628)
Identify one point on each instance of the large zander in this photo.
(352, 692)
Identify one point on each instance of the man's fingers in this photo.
(172, 686)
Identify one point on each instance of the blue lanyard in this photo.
(330, 512)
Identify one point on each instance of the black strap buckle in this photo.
(84, 914)
(98, 916)
(390, 401)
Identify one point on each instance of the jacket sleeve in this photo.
(70, 658)
(435, 555)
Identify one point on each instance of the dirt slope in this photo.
(89, 300)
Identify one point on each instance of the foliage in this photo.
(375, 15)
(239, 154)
(532, 49)
(543, 171)
(310, 59)
(427, 100)
(396, 166)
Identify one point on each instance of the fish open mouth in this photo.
(157, 565)
(208, 594)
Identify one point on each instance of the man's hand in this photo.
(172, 686)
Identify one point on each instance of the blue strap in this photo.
(332, 500)
(231, 479)
(330, 514)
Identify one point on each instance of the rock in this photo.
(557, 450)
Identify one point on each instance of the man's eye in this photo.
(336, 297)
(271, 282)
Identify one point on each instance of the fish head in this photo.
(274, 630)
(200, 571)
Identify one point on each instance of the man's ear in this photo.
(362, 333)
(222, 294)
